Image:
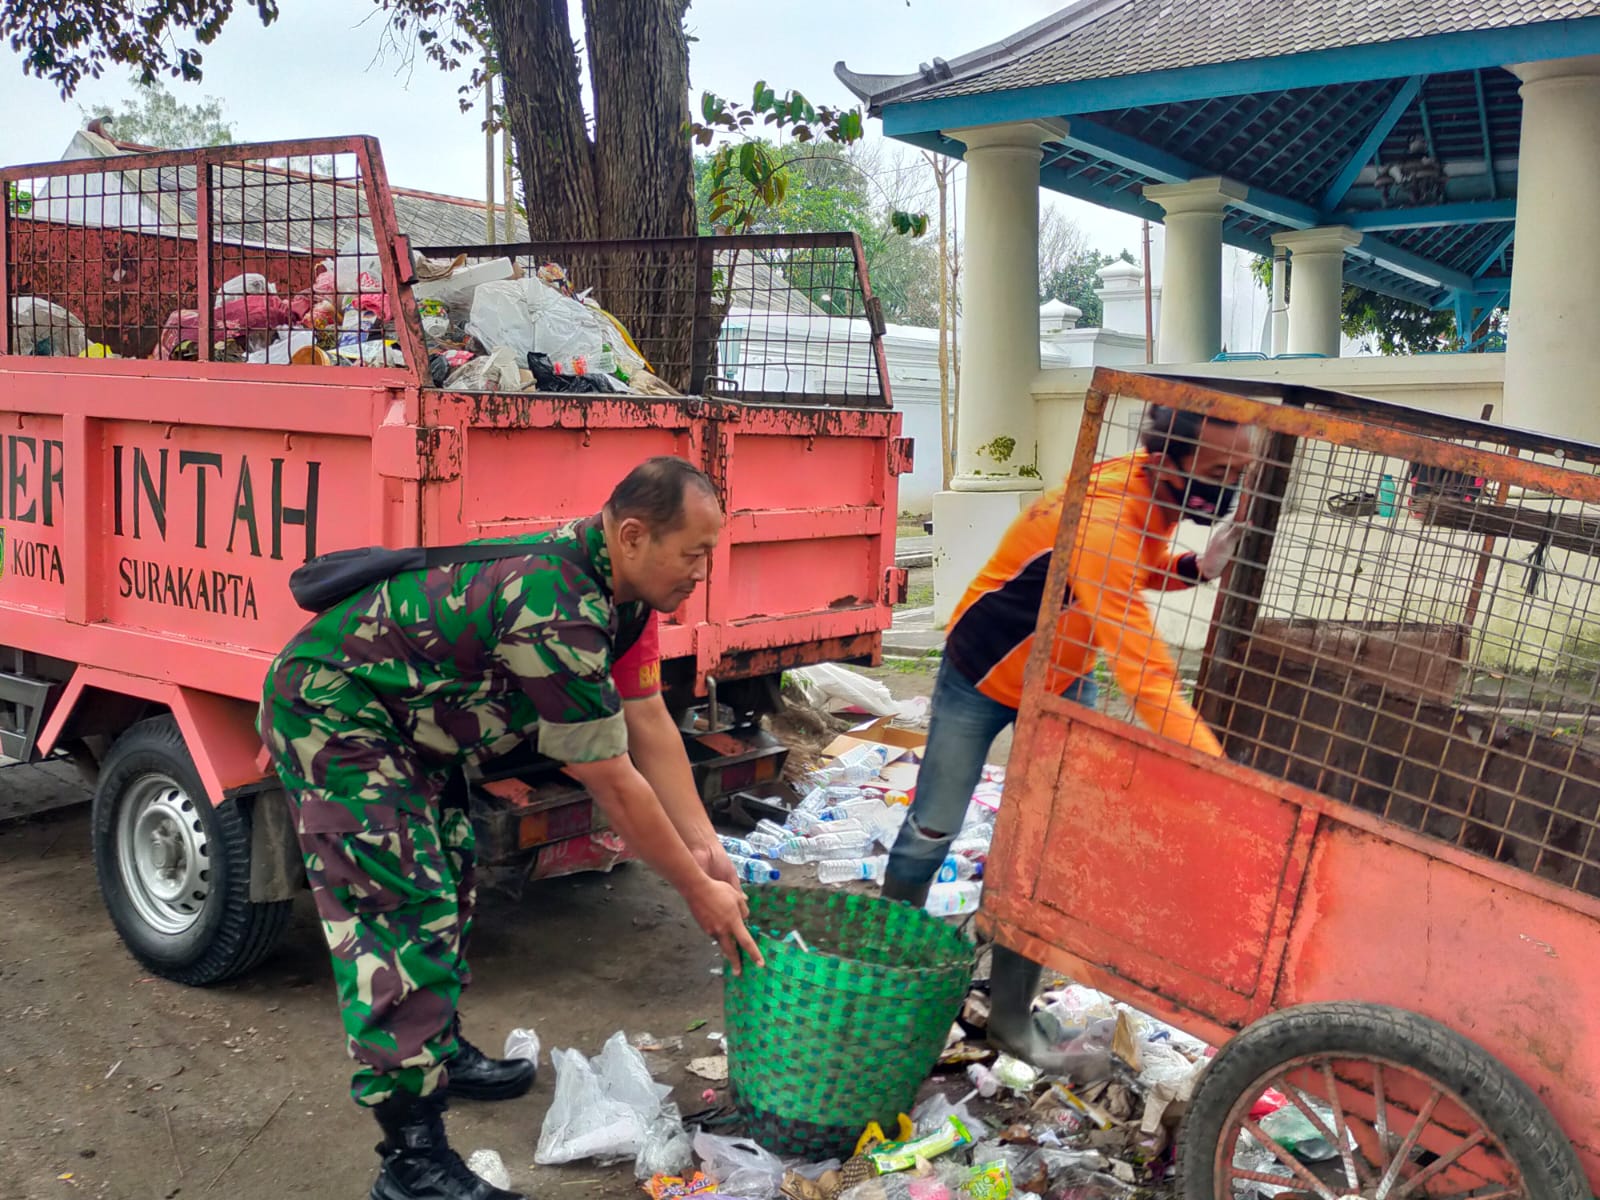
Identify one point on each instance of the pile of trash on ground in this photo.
(487, 326)
(1100, 1126)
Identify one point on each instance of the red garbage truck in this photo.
(222, 362)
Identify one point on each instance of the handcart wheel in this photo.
(1365, 1102)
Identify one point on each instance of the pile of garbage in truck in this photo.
(487, 326)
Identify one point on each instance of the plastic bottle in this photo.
(956, 868)
(741, 847)
(984, 1080)
(754, 870)
(950, 899)
(843, 870)
(807, 825)
(823, 847)
(815, 801)
(1388, 496)
(973, 840)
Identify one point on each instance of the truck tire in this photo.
(174, 870)
(1528, 1143)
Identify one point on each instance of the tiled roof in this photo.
(261, 204)
(1103, 39)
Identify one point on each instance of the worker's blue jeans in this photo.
(963, 727)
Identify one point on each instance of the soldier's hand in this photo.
(713, 860)
(718, 908)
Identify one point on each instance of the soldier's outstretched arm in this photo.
(635, 813)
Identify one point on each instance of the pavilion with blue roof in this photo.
(1443, 152)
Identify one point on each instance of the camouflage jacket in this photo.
(467, 660)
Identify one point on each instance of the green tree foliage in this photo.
(1074, 282)
(827, 188)
(155, 117)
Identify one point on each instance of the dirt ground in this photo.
(116, 1084)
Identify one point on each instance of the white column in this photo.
(999, 308)
(1316, 286)
(1191, 308)
(996, 435)
(1553, 344)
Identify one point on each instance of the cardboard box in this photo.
(902, 744)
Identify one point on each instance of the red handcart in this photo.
(1383, 904)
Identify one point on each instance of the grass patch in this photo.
(919, 595)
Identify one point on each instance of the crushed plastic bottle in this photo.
(844, 870)
(741, 847)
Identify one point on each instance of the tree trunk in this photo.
(639, 69)
(644, 177)
(544, 107)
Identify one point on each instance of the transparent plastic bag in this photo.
(666, 1149)
(603, 1109)
(740, 1166)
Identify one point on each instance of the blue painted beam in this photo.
(1411, 265)
(1351, 64)
(1500, 247)
(1164, 167)
(1467, 212)
(1157, 164)
(1488, 145)
(1345, 179)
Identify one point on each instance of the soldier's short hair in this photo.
(654, 493)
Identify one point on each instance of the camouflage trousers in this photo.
(388, 848)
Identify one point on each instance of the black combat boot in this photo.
(470, 1074)
(418, 1163)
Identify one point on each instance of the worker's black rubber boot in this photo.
(470, 1074)
(1013, 983)
(418, 1163)
(914, 894)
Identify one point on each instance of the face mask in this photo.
(1206, 503)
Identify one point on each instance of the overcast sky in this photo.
(318, 71)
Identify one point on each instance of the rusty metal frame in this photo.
(1306, 414)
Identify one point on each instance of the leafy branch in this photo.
(750, 175)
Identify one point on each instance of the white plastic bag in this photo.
(488, 1166)
(352, 264)
(833, 688)
(41, 328)
(528, 316)
(740, 1166)
(602, 1108)
(524, 1044)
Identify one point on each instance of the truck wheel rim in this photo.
(163, 853)
(1388, 1132)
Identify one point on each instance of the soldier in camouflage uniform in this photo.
(371, 710)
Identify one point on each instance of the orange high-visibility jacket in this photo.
(1124, 549)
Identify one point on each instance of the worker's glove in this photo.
(1214, 559)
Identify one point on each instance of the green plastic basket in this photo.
(826, 1040)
